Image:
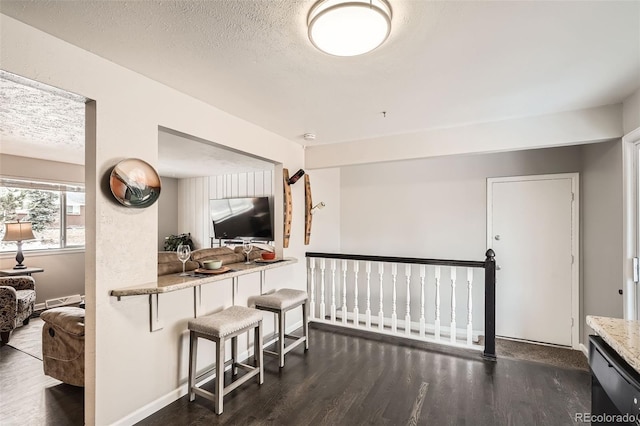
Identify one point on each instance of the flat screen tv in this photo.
(242, 218)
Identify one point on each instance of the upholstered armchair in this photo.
(17, 300)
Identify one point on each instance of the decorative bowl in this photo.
(212, 264)
(267, 255)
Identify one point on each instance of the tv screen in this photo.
(242, 218)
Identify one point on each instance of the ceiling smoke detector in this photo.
(309, 136)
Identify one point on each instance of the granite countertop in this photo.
(173, 282)
(622, 335)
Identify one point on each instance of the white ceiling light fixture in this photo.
(349, 27)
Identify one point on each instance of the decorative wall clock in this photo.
(135, 183)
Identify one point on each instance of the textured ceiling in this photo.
(39, 121)
(446, 63)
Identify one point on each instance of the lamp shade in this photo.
(18, 231)
(349, 27)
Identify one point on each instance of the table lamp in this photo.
(19, 232)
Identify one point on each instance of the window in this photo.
(56, 213)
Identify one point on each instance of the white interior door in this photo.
(531, 223)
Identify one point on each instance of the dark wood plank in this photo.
(346, 379)
(28, 397)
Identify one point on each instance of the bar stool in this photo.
(280, 302)
(219, 327)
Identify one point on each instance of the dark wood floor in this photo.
(347, 380)
(28, 397)
(342, 380)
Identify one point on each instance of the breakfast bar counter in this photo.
(174, 282)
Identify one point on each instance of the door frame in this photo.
(631, 222)
(575, 238)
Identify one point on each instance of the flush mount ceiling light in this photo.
(349, 27)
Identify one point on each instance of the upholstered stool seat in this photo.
(63, 344)
(280, 302)
(219, 327)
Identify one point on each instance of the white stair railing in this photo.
(430, 299)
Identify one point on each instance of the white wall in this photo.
(167, 210)
(325, 227)
(631, 112)
(63, 272)
(121, 353)
(602, 226)
(566, 128)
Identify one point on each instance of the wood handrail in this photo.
(393, 259)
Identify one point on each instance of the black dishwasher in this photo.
(615, 386)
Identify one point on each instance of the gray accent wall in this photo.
(602, 228)
(436, 208)
(167, 210)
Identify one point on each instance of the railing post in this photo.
(323, 315)
(344, 291)
(368, 311)
(312, 286)
(490, 306)
(356, 310)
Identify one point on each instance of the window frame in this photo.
(62, 188)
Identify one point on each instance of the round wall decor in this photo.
(135, 183)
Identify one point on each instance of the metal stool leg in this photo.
(234, 356)
(193, 352)
(219, 391)
(305, 326)
(281, 331)
(257, 352)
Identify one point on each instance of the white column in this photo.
(422, 320)
(394, 314)
(368, 311)
(407, 318)
(356, 311)
(437, 321)
(453, 305)
(344, 291)
(380, 312)
(469, 306)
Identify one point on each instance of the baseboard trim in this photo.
(584, 350)
(174, 395)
